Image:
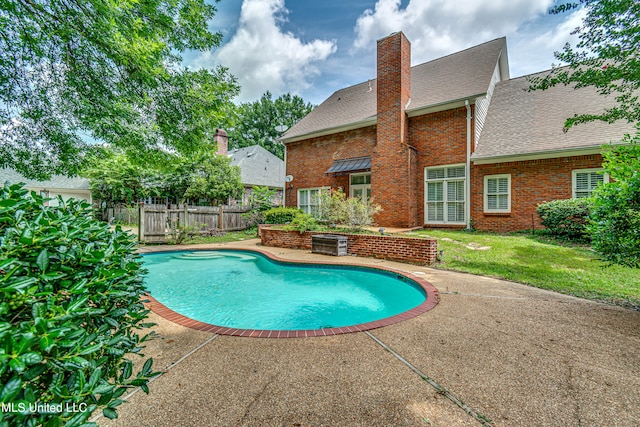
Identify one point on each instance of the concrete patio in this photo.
(508, 354)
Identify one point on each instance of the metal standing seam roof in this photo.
(348, 165)
(463, 74)
(522, 122)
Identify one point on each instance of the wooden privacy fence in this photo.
(121, 213)
(157, 223)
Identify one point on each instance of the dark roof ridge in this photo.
(460, 51)
(422, 63)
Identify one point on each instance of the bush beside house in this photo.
(567, 218)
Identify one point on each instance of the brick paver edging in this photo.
(430, 302)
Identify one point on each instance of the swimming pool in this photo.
(246, 290)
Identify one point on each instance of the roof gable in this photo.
(457, 76)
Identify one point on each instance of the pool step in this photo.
(202, 255)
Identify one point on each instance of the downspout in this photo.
(467, 205)
(284, 188)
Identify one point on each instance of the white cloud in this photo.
(532, 53)
(263, 57)
(440, 27)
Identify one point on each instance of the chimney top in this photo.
(222, 141)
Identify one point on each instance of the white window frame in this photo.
(309, 190)
(574, 179)
(363, 187)
(445, 202)
(486, 193)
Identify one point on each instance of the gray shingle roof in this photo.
(520, 122)
(453, 77)
(258, 166)
(56, 181)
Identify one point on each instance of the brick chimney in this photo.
(393, 162)
(222, 141)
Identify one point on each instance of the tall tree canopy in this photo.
(606, 57)
(257, 121)
(100, 70)
(202, 174)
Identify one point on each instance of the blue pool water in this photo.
(247, 290)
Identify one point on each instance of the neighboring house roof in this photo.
(56, 181)
(462, 75)
(523, 124)
(258, 166)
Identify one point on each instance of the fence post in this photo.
(186, 215)
(220, 222)
(141, 222)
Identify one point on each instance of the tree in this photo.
(257, 121)
(211, 177)
(114, 179)
(73, 72)
(606, 57)
(615, 227)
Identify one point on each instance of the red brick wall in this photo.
(308, 160)
(532, 182)
(391, 180)
(440, 139)
(394, 248)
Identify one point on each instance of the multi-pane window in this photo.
(360, 186)
(585, 181)
(445, 195)
(497, 193)
(309, 200)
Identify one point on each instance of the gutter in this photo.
(372, 120)
(467, 205)
(550, 154)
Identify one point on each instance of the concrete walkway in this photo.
(492, 352)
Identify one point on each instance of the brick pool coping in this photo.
(430, 302)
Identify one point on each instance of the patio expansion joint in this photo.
(162, 372)
(482, 419)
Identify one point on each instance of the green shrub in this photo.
(261, 198)
(615, 225)
(280, 215)
(303, 222)
(566, 218)
(70, 312)
(334, 207)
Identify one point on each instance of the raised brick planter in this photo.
(394, 248)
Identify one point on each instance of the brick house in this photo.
(448, 143)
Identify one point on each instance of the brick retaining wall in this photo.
(394, 248)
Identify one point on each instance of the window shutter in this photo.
(497, 193)
(434, 192)
(435, 174)
(457, 172)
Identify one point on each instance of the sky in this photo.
(313, 48)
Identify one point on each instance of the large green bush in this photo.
(566, 218)
(303, 222)
(615, 225)
(70, 313)
(280, 215)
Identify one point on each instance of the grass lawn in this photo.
(229, 236)
(537, 261)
